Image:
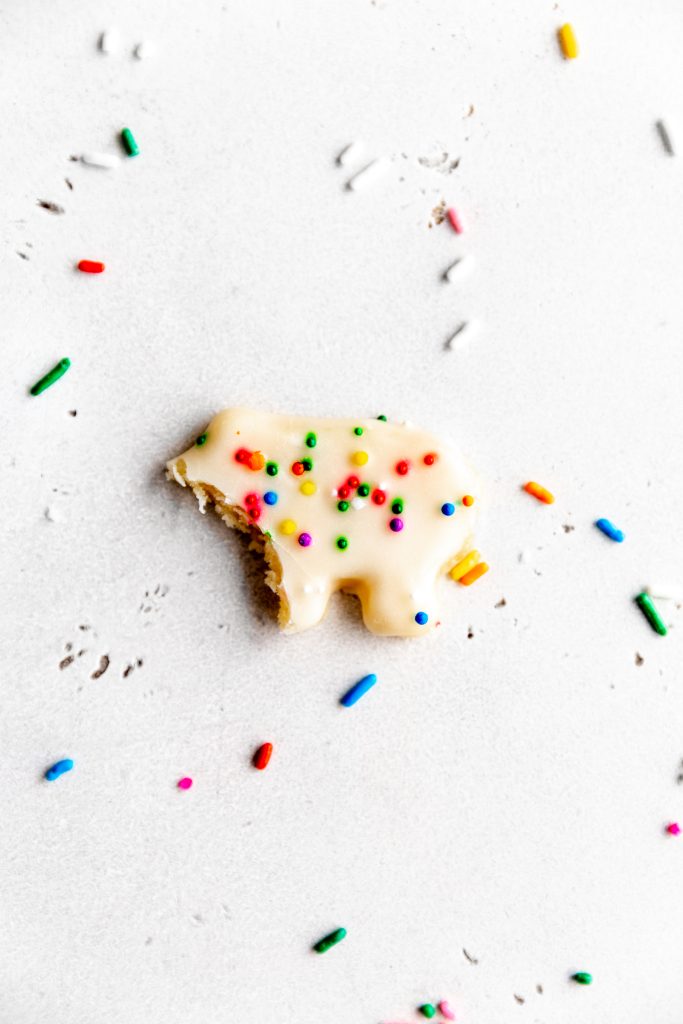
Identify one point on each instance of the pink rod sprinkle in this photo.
(185, 782)
(445, 1010)
(454, 220)
(674, 829)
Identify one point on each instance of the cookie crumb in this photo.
(65, 662)
(69, 184)
(520, 1000)
(567, 527)
(639, 659)
(73, 412)
(539, 989)
(45, 204)
(501, 603)
(102, 667)
(468, 956)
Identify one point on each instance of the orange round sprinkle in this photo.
(256, 461)
(468, 500)
(536, 491)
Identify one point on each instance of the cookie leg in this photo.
(303, 606)
(390, 608)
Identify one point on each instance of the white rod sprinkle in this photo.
(462, 336)
(100, 159)
(460, 269)
(369, 175)
(109, 41)
(664, 591)
(351, 154)
(144, 49)
(664, 129)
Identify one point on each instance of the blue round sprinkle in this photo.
(270, 498)
(448, 508)
(422, 618)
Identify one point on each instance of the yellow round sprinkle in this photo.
(308, 487)
(287, 526)
(359, 458)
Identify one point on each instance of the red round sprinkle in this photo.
(379, 497)
(297, 468)
(251, 499)
(242, 455)
(91, 266)
(255, 513)
(262, 756)
(402, 467)
(353, 482)
(430, 458)
(343, 492)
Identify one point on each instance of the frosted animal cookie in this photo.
(365, 506)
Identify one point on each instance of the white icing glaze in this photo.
(393, 573)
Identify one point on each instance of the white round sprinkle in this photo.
(144, 50)
(358, 503)
(460, 269)
(353, 152)
(369, 175)
(101, 159)
(109, 41)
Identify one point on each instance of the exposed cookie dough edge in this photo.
(232, 516)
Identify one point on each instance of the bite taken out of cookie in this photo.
(377, 509)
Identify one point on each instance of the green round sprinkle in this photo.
(201, 440)
(397, 506)
(49, 379)
(364, 490)
(427, 1010)
(330, 940)
(307, 464)
(383, 418)
(582, 977)
(271, 468)
(129, 144)
(358, 431)
(343, 506)
(342, 543)
(311, 440)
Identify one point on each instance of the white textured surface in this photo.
(504, 793)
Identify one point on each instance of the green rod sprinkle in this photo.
(129, 144)
(582, 978)
(49, 379)
(644, 602)
(330, 940)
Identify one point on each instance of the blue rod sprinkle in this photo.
(609, 530)
(59, 769)
(358, 690)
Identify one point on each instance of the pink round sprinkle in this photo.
(445, 1010)
(185, 782)
(674, 829)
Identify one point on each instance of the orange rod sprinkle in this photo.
(536, 491)
(473, 575)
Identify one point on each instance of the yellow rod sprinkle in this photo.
(464, 566)
(568, 43)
